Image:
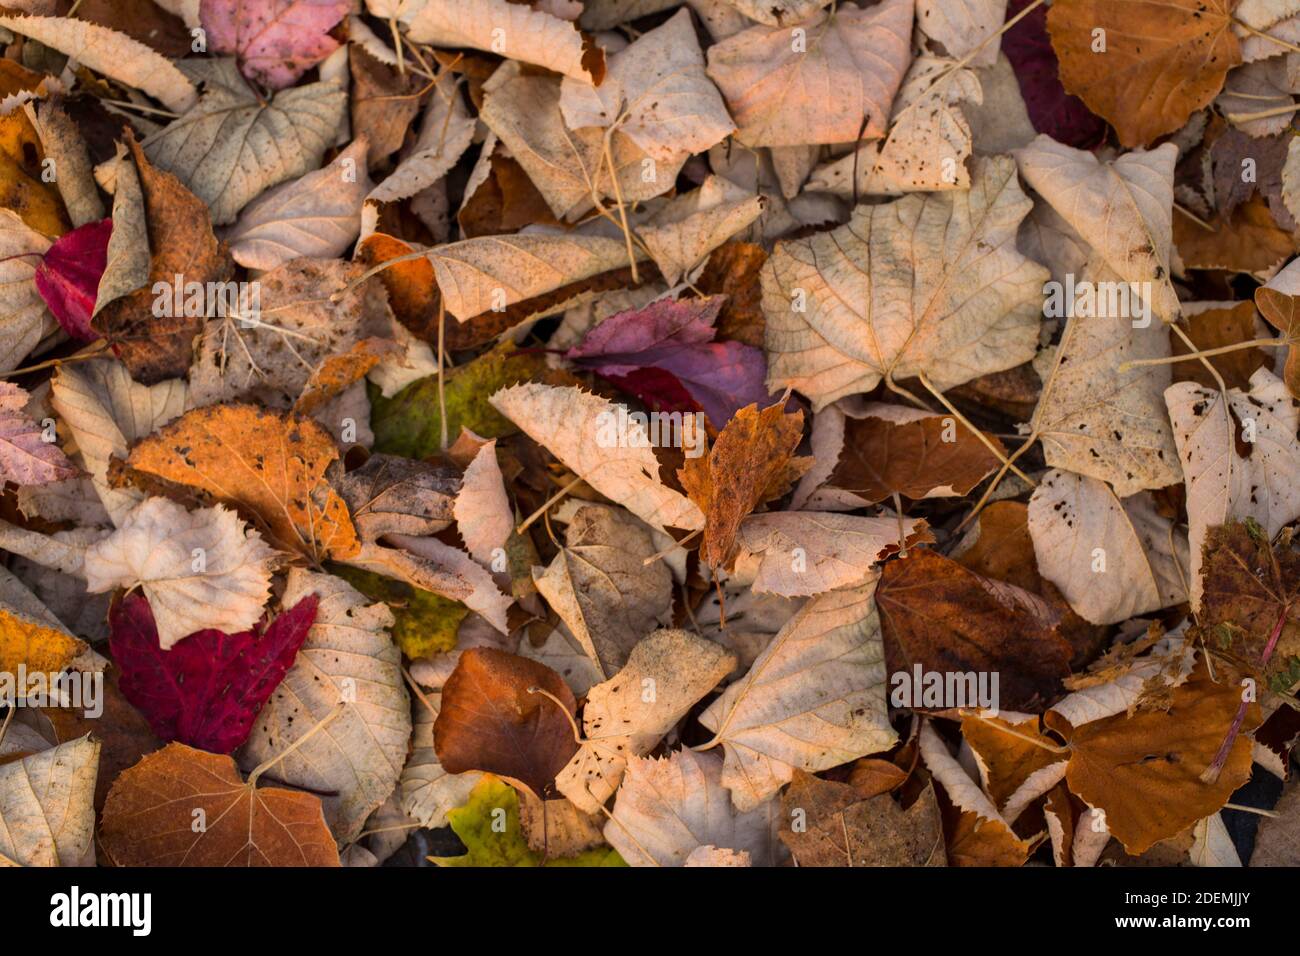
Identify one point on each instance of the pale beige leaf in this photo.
(114, 54)
(1093, 418)
(627, 715)
(601, 587)
(1112, 559)
(62, 143)
(831, 80)
(482, 507)
(966, 28)
(199, 569)
(1212, 845)
(348, 661)
(1279, 20)
(656, 92)
(512, 30)
(711, 856)
(523, 109)
(683, 234)
(798, 553)
(1264, 86)
(1124, 208)
(317, 215)
(428, 563)
(927, 284)
(963, 791)
(445, 133)
(24, 319)
(47, 808)
(778, 12)
(814, 699)
(492, 272)
(609, 451)
(129, 260)
(1169, 664)
(230, 148)
(929, 143)
(1222, 484)
(107, 412)
(668, 807)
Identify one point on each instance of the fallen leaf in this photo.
(149, 815)
(26, 457)
(924, 458)
(347, 661)
(230, 147)
(752, 462)
(495, 718)
(1226, 475)
(111, 53)
(655, 92)
(813, 699)
(840, 826)
(197, 569)
(829, 81)
(601, 587)
(69, 275)
(894, 315)
(489, 827)
(30, 636)
(666, 674)
(1145, 770)
(1113, 559)
(637, 349)
(668, 807)
(47, 813)
(207, 689)
(1177, 52)
(276, 41)
(938, 615)
(148, 333)
(517, 31)
(315, 216)
(599, 442)
(272, 465)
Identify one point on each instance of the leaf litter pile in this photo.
(627, 432)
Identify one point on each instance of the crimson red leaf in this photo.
(664, 354)
(1052, 110)
(68, 277)
(207, 689)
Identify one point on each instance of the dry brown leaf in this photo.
(752, 462)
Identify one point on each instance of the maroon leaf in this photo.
(208, 688)
(68, 277)
(664, 354)
(1052, 110)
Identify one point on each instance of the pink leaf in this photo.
(208, 688)
(68, 277)
(276, 41)
(26, 458)
(664, 354)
